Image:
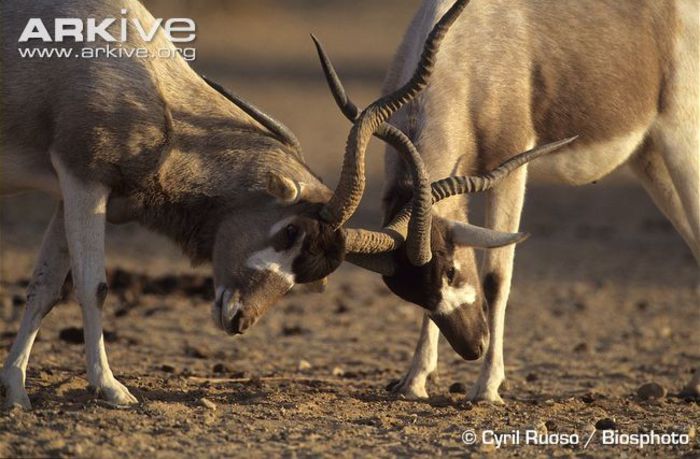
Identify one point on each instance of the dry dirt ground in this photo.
(605, 299)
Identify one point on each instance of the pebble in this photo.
(651, 391)
(72, 335)
(208, 404)
(541, 428)
(337, 371)
(606, 424)
(167, 368)
(551, 425)
(531, 377)
(220, 368)
(458, 388)
(303, 365)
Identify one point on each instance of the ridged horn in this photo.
(452, 186)
(279, 130)
(348, 193)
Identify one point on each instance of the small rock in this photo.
(531, 377)
(220, 368)
(606, 424)
(665, 332)
(167, 368)
(110, 336)
(458, 388)
(208, 404)
(651, 391)
(342, 308)
(541, 428)
(581, 348)
(303, 365)
(692, 433)
(72, 335)
(337, 371)
(551, 425)
(196, 352)
(294, 330)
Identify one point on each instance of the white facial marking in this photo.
(279, 263)
(454, 297)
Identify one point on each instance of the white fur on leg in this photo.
(503, 211)
(412, 385)
(43, 291)
(85, 213)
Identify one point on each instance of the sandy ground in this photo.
(604, 300)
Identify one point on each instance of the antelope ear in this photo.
(317, 287)
(283, 189)
(464, 234)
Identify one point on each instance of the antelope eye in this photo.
(451, 274)
(292, 233)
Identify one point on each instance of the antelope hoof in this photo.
(486, 393)
(407, 388)
(115, 393)
(15, 394)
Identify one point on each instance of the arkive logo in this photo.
(111, 30)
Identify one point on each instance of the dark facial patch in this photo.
(323, 250)
(465, 327)
(422, 285)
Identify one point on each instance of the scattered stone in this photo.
(196, 352)
(162, 286)
(72, 335)
(541, 428)
(531, 377)
(303, 365)
(551, 425)
(582, 348)
(651, 391)
(220, 368)
(119, 279)
(208, 404)
(167, 368)
(692, 432)
(110, 336)
(337, 371)
(606, 424)
(589, 397)
(458, 388)
(294, 330)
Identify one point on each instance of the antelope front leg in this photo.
(85, 212)
(43, 292)
(503, 210)
(412, 385)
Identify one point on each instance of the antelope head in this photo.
(415, 251)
